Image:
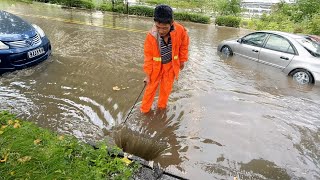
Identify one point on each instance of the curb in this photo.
(157, 172)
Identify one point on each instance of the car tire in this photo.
(302, 77)
(226, 50)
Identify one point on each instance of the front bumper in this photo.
(13, 59)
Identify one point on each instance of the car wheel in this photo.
(226, 50)
(302, 76)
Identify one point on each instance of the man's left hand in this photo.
(181, 65)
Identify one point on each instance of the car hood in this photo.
(13, 28)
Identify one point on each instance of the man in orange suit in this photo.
(165, 52)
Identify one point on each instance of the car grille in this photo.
(34, 41)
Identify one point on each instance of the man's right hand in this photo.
(147, 80)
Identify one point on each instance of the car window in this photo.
(312, 46)
(279, 43)
(255, 39)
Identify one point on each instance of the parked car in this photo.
(296, 55)
(21, 44)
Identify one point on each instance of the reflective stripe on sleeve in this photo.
(157, 59)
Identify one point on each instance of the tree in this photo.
(308, 8)
(228, 7)
(300, 11)
(203, 5)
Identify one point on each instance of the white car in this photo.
(296, 55)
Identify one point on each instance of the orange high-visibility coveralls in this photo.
(159, 73)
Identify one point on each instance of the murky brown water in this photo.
(226, 117)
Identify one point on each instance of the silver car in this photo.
(296, 55)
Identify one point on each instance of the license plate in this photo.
(35, 52)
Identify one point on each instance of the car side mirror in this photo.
(239, 40)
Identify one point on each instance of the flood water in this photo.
(226, 117)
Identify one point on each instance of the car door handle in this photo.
(285, 58)
(255, 50)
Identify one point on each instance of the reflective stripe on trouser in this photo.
(165, 79)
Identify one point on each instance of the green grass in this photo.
(30, 152)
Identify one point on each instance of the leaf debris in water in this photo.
(126, 160)
(116, 88)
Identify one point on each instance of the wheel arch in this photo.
(291, 73)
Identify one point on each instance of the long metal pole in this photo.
(145, 84)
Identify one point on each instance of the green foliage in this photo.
(272, 22)
(119, 8)
(192, 17)
(245, 23)
(78, 3)
(196, 5)
(44, 1)
(88, 4)
(141, 11)
(203, 5)
(105, 7)
(298, 12)
(26, 1)
(149, 12)
(308, 8)
(154, 2)
(301, 17)
(230, 21)
(228, 7)
(30, 152)
(314, 25)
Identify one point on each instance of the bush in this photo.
(153, 2)
(230, 21)
(105, 7)
(78, 3)
(285, 25)
(245, 23)
(192, 17)
(108, 7)
(119, 9)
(141, 11)
(88, 4)
(44, 1)
(314, 25)
(149, 12)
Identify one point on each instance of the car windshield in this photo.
(312, 46)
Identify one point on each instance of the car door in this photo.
(250, 45)
(277, 52)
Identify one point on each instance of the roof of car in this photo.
(294, 36)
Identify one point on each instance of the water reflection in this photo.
(255, 169)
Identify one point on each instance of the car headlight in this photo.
(3, 46)
(39, 30)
